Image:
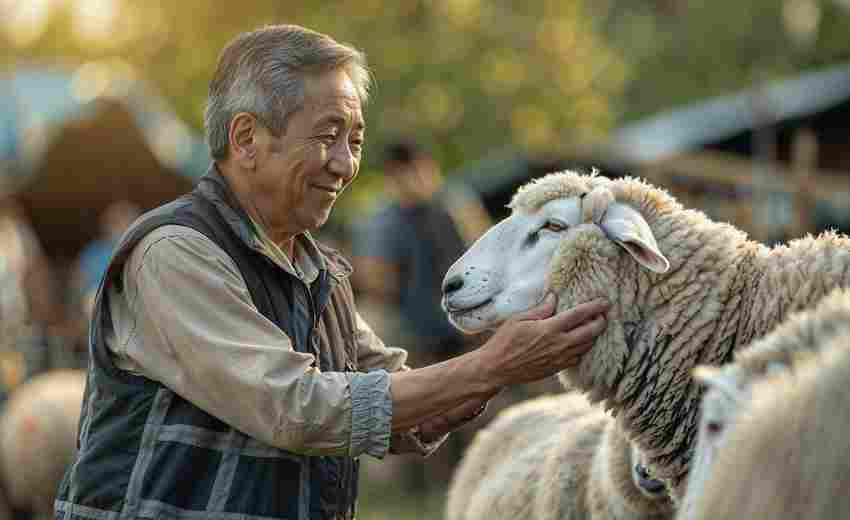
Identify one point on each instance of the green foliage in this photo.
(685, 51)
(466, 76)
(470, 76)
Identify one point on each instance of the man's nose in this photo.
(342, 162)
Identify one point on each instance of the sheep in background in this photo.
(799, 338)
(685, 291)
(38, 437)
(787, 454)
(554, 457)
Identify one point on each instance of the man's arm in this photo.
(193, 328)
(528, 348)
(427, 436)
(441, 397)
(186, 319)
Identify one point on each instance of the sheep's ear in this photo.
(716, 377)
(627, 227)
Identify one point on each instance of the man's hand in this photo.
(529, 347)
(537, 344)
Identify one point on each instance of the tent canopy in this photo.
(72, 141)
(87, 166)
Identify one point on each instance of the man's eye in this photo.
(328, 138)
(554, 226)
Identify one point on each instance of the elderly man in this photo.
(231, 376)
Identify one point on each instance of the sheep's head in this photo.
(567, 233)
(729, 388)
(727, 391)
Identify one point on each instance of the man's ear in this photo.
(625, 226)
(242, 135)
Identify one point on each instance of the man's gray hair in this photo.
(262, 72)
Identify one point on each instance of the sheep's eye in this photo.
(531, 239)
(555, 226)
(714, 427)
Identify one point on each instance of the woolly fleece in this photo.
(721, 292)
(38, 437)
(798, 339)
(788, 455)
(553, 457)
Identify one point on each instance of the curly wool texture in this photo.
(803, 336)
(721, 292)
(788, 454)
(553, 457)
(38, 437)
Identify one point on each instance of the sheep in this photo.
(554, 457)
(801, 337)
(38, 434)
(787, 454)
(685, 291)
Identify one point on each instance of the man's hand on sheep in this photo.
(537, 344)
(528, 347)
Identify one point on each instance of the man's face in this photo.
(299, 175)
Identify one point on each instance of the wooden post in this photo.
(764, 160)
(804, 159)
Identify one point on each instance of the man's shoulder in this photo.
(176, 222)
(167, 239)
(175, 232)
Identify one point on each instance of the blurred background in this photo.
(741, 108)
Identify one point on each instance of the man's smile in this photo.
(331, 189)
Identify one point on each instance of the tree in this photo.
(683, 51)
(467, 76)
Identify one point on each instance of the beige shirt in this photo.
(185, 318)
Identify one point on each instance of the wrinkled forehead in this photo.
(560, 185)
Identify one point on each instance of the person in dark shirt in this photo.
(402, 253)
(404, 250)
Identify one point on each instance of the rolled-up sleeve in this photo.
(374, 355)
(371, 414)
(186, 319)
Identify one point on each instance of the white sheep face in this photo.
(726, 393)
(729, 390)
(506, 271)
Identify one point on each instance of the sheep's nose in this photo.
(647, 482)
(452, 284)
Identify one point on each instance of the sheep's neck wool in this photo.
(721, 292)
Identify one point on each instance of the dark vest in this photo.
(146, 452)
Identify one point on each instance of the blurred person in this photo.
(28, 304)
(231, 374)
(70, 349)
(401, 255)
(93, 259)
